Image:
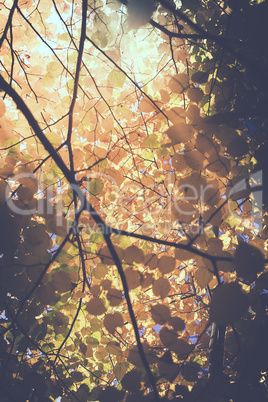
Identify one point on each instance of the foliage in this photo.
(133, 234)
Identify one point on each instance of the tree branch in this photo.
(128, 77)
(76, 82)
(86, 205)
(8, 24)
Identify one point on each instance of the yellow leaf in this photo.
(54, 68)
(95, 186)
(113, 348)
(117, 77)
(99, 271)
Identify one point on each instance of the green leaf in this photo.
(100, 38)
(117, 77)
(95, 186)
(13, 149)
(152, 141)
(97, 237)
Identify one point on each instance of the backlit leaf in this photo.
(180, 132)
(179, 83)
(95, 186)
(117, 77)
(195, 94)
(194, 159)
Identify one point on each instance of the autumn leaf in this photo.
(160, 313)
(60, 322)
(203, 276)
(133, 254)
(179, 83)
(114, 297)
(131, 380)
(248, 261)
(95, 186)
(180, 132)
(228, 303)
(200, 77)
(112, 321)
(177, 323)
(125, 128)
(133, 278)
(161, 287)
(166, 367)
(95, 307)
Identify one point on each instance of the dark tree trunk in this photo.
(216, 350)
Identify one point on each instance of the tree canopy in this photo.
(133, 200)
